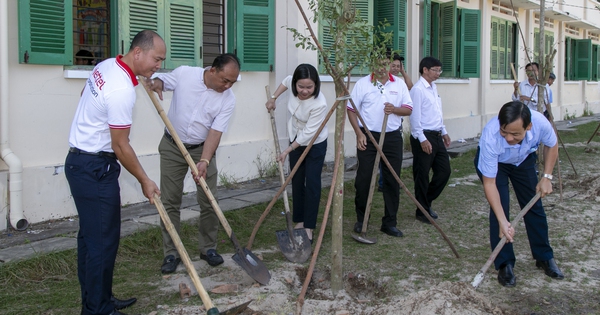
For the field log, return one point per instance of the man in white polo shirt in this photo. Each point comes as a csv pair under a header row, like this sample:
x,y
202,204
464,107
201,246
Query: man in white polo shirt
x,y
99,136
375,96
200,110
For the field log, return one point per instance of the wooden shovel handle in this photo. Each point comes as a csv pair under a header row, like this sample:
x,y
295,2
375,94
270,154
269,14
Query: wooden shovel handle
x,y
514,74
187,157
182,252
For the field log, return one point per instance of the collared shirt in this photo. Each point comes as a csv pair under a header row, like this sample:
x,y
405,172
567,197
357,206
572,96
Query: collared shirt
x,y
530,91
306,116
494,149
195,109
427,110
370,97
106,103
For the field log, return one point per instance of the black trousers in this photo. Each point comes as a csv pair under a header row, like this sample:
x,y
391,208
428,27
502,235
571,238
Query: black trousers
x,y
438,161
392,148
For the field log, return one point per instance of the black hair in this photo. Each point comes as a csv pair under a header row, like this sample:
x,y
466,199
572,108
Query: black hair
x,y
552,76
225,59
512,111
537,65
398,57
429,62
306,71
144,39
85,55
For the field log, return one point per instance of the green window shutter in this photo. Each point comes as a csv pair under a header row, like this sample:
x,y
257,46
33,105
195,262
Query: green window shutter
x,y
548,42
594,62
470,43
136,16
394,13
448,38
569,50
495,43
426,28
583,56
365,10
254,34
511,50
183,33
536,45
45,32
326,36
502,49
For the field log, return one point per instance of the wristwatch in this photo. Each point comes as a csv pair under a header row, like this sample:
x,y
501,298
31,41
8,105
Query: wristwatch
x,y
548,176
273,96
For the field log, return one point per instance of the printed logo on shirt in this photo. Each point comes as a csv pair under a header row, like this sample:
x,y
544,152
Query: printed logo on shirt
x,y
394,92
92,90
98,80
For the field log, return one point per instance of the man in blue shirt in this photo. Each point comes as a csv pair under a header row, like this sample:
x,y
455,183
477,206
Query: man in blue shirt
x,y
507,150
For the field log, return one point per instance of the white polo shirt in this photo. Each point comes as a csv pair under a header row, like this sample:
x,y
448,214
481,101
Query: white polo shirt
x,y
106,103
195,109
369,98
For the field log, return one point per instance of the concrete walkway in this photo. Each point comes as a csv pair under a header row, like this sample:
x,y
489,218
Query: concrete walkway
x,y
45,237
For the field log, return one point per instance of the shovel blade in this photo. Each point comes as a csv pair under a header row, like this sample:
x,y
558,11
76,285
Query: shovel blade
x,y
362,238
236,310
298,251
253,266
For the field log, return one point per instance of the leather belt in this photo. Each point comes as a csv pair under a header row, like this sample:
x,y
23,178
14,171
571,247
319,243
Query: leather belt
x,y
187,146
433,132
101,153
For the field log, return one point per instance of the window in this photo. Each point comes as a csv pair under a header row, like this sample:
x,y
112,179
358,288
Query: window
x,y
452,35
503,50
392,12
578,59
548,44
50,31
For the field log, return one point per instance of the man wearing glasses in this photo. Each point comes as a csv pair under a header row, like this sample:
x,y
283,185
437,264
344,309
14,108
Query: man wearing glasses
x,y
526,91
200,110
429,138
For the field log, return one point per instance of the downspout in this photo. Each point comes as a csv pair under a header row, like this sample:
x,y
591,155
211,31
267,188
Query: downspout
x,y
15,167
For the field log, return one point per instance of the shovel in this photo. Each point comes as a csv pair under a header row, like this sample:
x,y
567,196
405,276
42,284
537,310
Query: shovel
x,y
211,309
294,243
362,238
253,266
479,277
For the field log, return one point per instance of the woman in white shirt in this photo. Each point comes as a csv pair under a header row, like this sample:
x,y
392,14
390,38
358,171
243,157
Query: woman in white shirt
x,y
307,108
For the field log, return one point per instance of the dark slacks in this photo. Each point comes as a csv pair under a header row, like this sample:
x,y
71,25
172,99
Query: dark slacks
x,y
95,188
306,183
438,161
524,180
392,148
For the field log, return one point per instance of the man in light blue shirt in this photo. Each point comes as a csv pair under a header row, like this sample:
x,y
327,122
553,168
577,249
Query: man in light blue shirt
x,y
507,150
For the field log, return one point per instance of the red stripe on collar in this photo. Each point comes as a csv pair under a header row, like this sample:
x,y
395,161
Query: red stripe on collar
x,y
127,70
391,77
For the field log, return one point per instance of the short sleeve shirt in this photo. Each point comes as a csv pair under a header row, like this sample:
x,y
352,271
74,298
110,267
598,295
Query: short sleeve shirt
x,y
195,108
494,149
106,103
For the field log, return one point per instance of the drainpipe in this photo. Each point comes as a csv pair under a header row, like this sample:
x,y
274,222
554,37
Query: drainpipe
x,y
15,179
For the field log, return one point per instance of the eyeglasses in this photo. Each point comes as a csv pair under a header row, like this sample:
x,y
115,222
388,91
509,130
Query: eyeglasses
x,y
436,70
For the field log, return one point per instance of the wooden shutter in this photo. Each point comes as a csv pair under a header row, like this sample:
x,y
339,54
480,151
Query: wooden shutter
x,y
495,43
569,53
448,23
365,10
426,51
183,33
254,34
511,49
394,13
594,62
136,16
536,45
470,27
45,32
583,59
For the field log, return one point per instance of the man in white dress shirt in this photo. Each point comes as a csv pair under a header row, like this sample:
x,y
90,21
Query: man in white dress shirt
x,y
200,110
429,138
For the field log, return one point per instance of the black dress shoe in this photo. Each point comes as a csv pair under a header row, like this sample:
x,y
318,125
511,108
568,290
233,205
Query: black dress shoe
x,y
550,268
116,312
170,264
212,258
432,214
358,227
422,218
506,277
121,304
392,231
379,189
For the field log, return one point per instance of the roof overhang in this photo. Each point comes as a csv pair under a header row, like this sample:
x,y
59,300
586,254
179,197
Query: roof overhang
x,y
584,24
560,15
526,4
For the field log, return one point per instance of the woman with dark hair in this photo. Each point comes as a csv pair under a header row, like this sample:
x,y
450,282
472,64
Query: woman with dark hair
x,y
308,108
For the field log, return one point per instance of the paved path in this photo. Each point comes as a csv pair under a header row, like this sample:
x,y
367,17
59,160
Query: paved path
x,y
60,235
